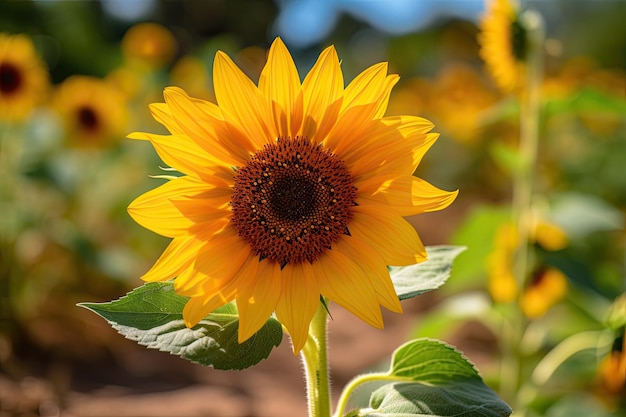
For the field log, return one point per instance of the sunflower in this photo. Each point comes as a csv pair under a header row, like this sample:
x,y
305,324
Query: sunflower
x,y
23,77
547,287
613,367
503,44
93,111
290,191
149,45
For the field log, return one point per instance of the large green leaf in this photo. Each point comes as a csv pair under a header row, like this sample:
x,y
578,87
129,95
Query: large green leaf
x,y
413,280
434,379
151,315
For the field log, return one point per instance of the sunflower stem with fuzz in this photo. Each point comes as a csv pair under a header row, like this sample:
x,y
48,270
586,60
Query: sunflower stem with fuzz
x,y
522,196
315,359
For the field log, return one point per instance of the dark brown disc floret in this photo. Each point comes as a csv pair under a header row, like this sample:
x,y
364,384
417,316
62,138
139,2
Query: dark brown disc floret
x,y
87,119
10,78
292,201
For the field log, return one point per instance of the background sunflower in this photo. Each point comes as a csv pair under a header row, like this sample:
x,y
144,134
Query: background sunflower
x,y
23,77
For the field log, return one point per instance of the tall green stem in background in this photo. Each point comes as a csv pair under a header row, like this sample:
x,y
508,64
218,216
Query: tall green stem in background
x,y
523,182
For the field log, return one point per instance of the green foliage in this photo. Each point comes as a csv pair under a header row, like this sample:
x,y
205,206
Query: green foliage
x,y
433,379
480,226
582,214
413,280
588,100
151,315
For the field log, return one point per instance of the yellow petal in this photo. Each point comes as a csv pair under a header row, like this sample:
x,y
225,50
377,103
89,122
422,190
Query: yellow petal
x,y
407,195
224,255
202,121
383,100
279,81
197,308
257,297
181,153
388,233
350,128
241,102
392,145
323,95
344,282
366,87
155,211
162,114
217,262
207,206
363,100
375,269
298,303
178,256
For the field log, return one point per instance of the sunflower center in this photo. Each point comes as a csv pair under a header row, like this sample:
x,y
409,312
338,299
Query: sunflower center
x,y
518,40
292,198
87,118
10,78
292,201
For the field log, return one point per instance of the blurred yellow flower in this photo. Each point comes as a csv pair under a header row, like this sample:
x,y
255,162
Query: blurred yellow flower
x,y
456,99
502,284
502,41
126,80
613,368
192,75
291,191
549,236
149,45
459,100
547,288
23,77
92,110
412,96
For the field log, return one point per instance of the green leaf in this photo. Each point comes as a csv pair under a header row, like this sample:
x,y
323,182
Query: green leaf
x,y
413,280
463,398
151,315
588,100
507,157
434,379
582,214
432,361
478,231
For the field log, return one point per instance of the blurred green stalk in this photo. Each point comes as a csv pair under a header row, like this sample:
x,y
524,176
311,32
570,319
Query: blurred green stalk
x,y
523,184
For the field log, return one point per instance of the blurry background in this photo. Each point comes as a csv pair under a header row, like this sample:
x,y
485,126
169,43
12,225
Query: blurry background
x,y
67,174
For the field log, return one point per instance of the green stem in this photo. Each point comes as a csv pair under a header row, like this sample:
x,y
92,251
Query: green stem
x,y
353,384
315,358
523,184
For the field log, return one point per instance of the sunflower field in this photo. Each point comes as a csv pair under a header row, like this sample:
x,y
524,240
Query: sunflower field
x,y
204,204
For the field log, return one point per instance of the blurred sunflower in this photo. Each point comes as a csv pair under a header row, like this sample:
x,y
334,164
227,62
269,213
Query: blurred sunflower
x,y
545,288
23,77
149,45
92,110
502,284
291,191
613,367
191,74
459,101
503,46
